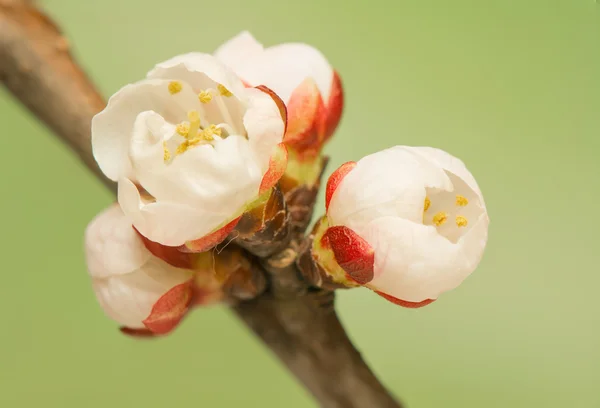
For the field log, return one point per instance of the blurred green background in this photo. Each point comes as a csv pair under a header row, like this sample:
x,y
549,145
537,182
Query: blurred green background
x,y
511,87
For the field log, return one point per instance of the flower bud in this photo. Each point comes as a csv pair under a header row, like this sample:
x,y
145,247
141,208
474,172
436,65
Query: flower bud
x,y
135,288
408,222
303,79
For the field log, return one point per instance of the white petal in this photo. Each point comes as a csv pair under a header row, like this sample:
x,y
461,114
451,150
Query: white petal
x,y
281,68
264,125
112,128
200,71
128,299
112,247
391,182
414,263
451,164
204,72
238,50
168,223
201,190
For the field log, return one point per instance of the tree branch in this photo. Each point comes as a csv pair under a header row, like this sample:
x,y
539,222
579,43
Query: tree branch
x,y
296,322
37,67
300,326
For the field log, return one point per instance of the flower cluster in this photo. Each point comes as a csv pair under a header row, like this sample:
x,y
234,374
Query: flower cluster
x,y
211,147
194,147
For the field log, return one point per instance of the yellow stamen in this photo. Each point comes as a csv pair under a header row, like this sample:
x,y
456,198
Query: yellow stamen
x,y
224,91
440,218
427,204
205,96
182,148
183,129
461,221
207,135
210,132
194,142
194,123
461,201
175,87
166,153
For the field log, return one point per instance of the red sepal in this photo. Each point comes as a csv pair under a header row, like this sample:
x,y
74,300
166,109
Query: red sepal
x,y
354,255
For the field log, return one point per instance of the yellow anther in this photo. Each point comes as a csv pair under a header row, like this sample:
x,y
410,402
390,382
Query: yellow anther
x,y
224,91
175,87
207,135
183,129
427,204
461,201
182,148
204,96
166,153
194,142
461,221
210,132
440,218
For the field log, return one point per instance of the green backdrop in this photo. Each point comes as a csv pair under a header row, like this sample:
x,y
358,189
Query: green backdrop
x,y
511,87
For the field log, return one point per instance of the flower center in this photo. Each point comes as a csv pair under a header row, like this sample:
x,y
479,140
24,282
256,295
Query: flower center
x,y
452,213
199,129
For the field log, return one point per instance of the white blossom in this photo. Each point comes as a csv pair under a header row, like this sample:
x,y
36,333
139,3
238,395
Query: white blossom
x,y
422,214
127,279
189,146
301,76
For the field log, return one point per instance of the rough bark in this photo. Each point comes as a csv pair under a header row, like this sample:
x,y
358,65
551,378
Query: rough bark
x,y
37,67
296,322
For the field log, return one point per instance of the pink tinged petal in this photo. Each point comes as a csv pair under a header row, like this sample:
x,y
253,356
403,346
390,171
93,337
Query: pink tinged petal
x,y
265,122
128,299
277,166
304,107
211,240
352,253
171,255
169,309
111,246
333,108
335,179
312,122
404,303
283,67
301,76
112,128
280,104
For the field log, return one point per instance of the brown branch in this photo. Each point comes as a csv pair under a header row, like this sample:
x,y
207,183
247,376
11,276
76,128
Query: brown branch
x,y
37,67
296,322
300,326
